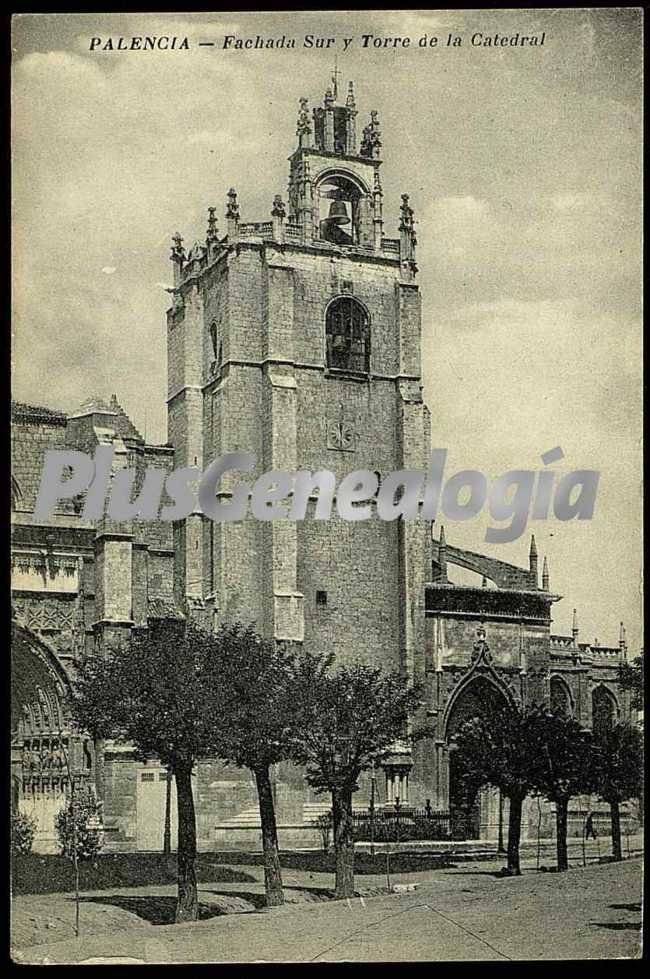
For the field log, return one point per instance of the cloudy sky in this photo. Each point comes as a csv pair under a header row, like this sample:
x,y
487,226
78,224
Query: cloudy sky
x,y
524,170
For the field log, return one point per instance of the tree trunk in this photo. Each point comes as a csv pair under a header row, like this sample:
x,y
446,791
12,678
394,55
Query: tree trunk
x,y
514,835
561,812
187,907
343,842
167,832
617,851
272,869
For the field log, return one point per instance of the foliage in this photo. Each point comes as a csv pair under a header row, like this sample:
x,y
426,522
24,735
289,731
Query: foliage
x,y
253,706
562,763
618,774
152,693
630,677
23,830
348,720
495,749
86,813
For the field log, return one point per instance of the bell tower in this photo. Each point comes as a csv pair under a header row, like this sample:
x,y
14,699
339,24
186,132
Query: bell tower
x,y
298,338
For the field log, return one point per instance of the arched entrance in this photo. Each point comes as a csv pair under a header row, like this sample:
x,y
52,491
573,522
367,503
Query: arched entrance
x,y
468,808
41,739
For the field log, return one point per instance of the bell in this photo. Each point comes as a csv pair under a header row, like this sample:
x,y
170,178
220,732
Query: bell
x,y
338,213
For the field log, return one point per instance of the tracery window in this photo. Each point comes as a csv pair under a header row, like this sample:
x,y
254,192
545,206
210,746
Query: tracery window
x,y
347,331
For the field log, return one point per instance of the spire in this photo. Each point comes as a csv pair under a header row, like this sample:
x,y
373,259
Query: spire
x,y
574,628
335,79
350,102
442,556
622,640
532,560
545,585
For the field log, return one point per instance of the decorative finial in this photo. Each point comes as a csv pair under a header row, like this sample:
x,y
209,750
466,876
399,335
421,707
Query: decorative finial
x,y
484,582
350,101
442,540
622,637
533,546
371,139
278,210
574,627
178,252
406,215
212,234
304,126
232,208
329,99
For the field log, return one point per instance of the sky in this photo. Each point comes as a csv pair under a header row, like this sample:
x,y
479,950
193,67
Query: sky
x,y
524,170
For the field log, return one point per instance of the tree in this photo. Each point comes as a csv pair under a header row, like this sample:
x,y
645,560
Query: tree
x,y
630,677
618,773
79,828
562,766
255,713
494,748
349,720
152,692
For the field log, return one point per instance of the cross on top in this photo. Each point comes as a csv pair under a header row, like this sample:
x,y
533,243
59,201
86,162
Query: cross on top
x,y
335,76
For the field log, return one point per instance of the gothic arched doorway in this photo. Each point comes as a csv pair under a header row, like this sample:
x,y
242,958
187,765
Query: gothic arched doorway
x,y
41,739
479,696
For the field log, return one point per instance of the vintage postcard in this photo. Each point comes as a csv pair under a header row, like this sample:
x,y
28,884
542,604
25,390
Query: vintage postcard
x,y
326,486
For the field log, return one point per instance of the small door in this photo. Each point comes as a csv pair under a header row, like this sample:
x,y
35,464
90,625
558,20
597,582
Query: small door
x,y
151,802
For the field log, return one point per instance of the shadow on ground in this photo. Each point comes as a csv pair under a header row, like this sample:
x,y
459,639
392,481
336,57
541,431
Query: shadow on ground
x,y
160,909
157,910
617,925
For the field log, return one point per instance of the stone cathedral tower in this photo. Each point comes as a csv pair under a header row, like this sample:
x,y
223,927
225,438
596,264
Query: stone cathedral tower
x,y
298,338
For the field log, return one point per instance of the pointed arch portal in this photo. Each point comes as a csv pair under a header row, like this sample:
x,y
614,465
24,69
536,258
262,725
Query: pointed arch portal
x,y
41,737
478,696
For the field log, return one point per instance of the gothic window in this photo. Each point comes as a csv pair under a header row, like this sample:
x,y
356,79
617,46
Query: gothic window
x,y
347,332
217,347
560,696
604,710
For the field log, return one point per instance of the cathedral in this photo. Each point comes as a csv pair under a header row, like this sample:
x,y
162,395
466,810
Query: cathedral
x,y
297,338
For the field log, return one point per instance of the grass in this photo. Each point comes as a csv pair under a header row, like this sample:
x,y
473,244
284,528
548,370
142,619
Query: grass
x,y
37,873
316,861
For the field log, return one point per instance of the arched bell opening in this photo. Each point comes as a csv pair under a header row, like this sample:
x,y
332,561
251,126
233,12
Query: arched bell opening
x,y
339,203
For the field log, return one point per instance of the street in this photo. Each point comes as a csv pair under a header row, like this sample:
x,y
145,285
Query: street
x,y
457,913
